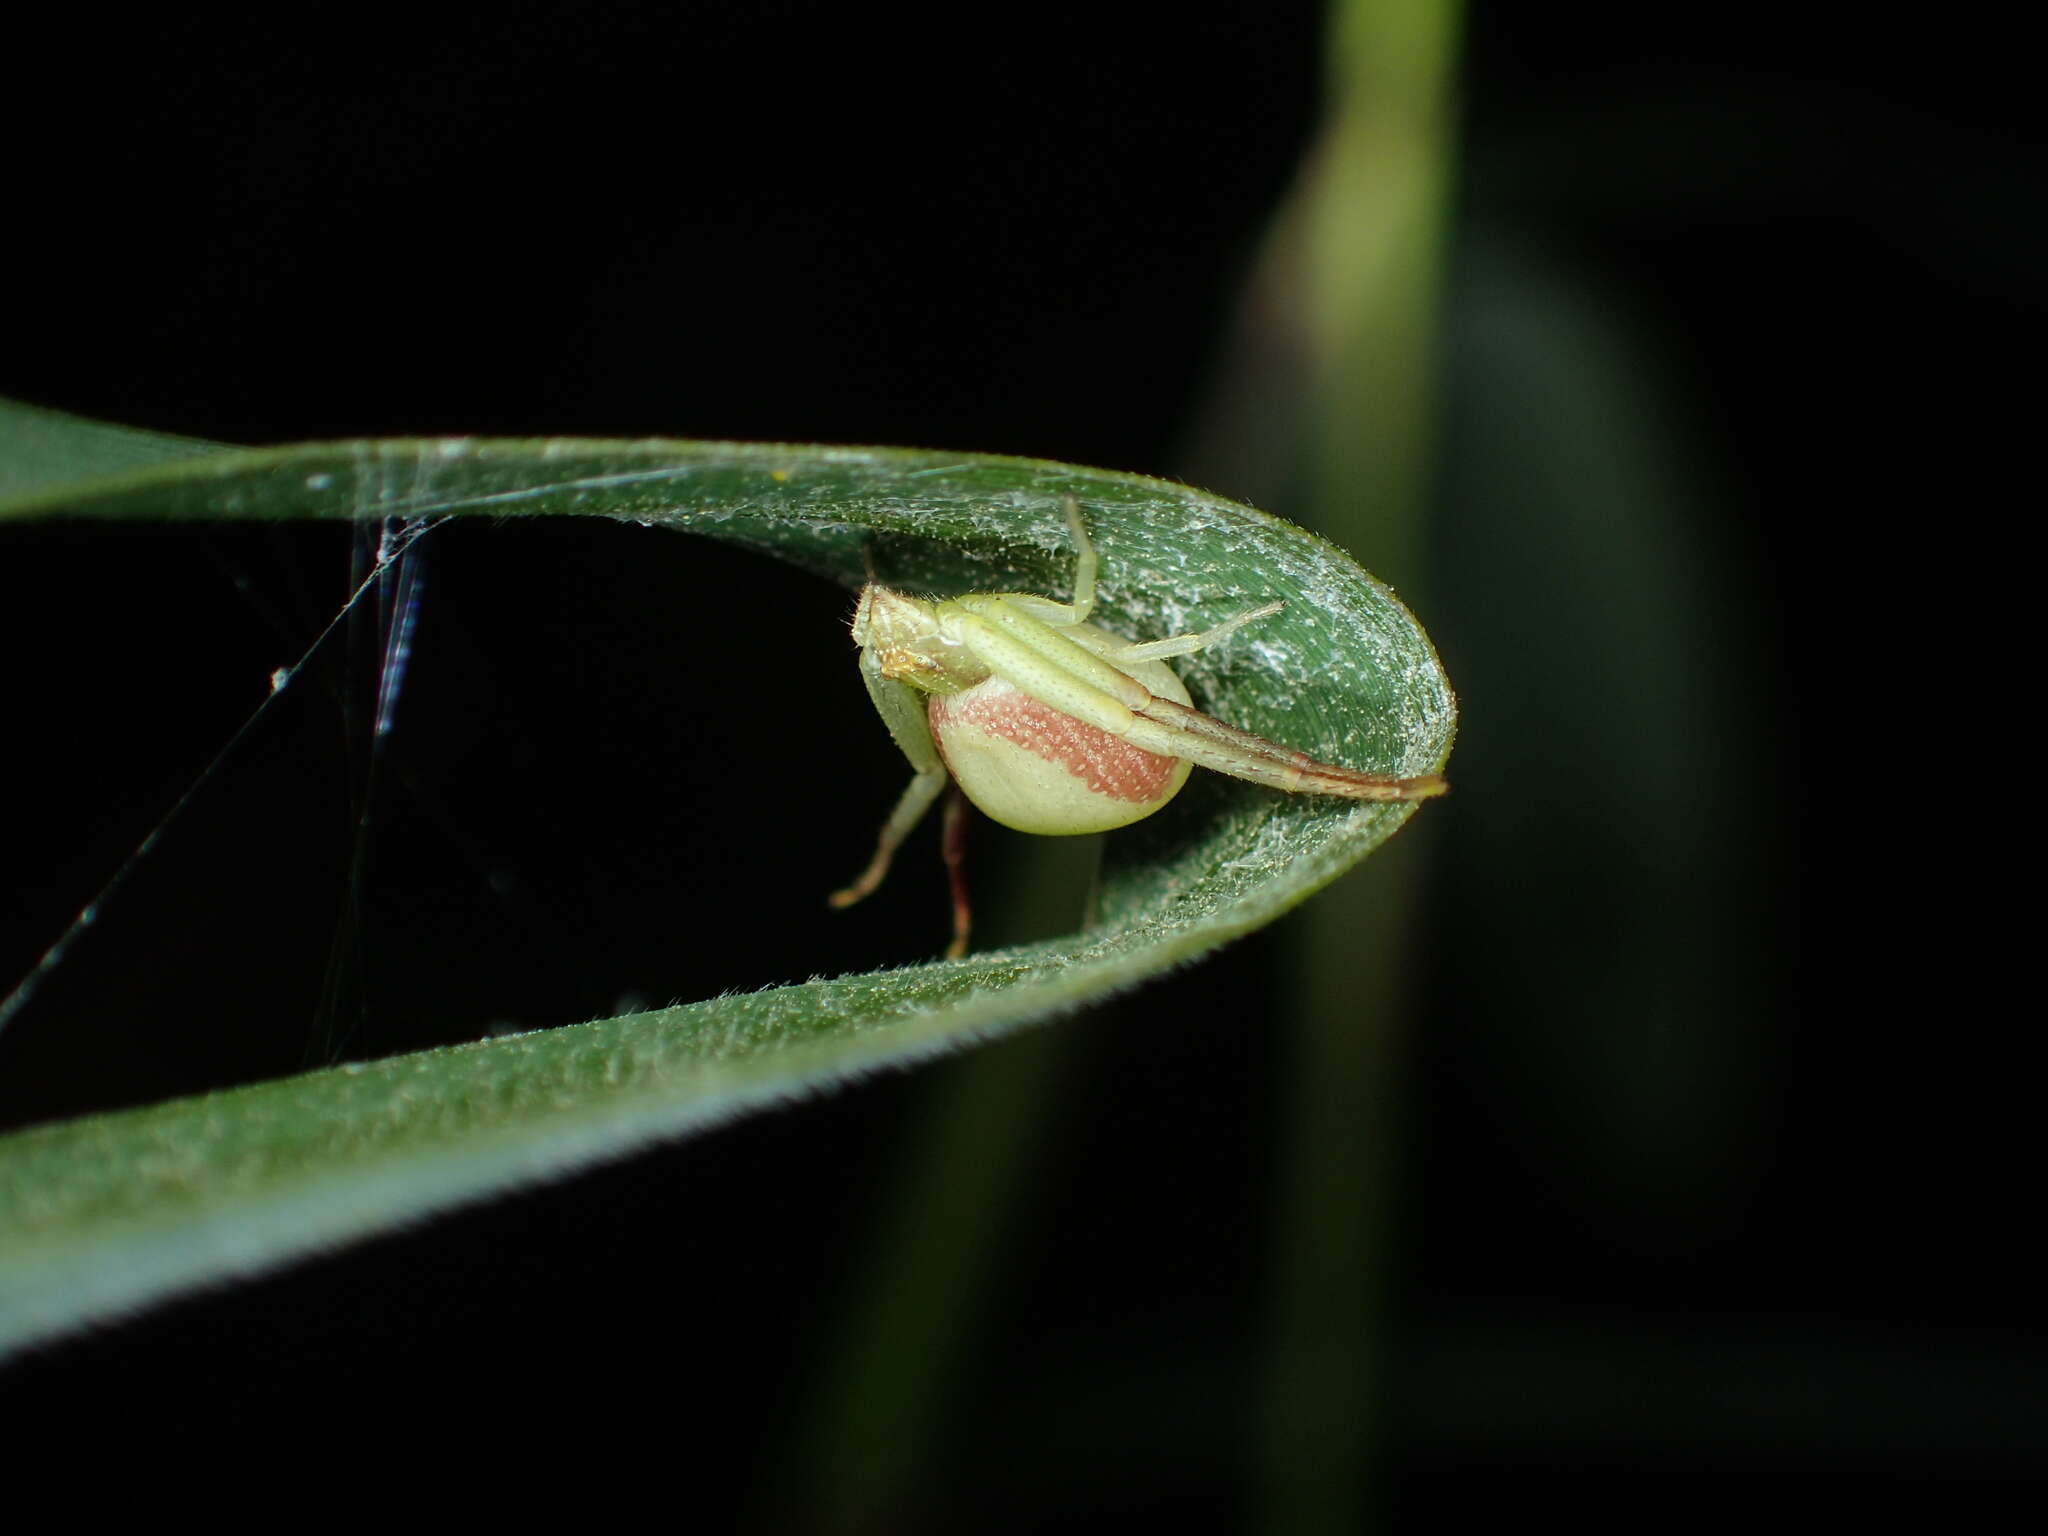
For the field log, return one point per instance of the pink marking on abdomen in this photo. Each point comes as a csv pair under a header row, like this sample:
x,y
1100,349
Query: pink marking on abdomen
x,y
1108,764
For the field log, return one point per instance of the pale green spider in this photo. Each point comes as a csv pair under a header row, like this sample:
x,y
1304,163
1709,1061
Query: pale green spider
x,y
1051,724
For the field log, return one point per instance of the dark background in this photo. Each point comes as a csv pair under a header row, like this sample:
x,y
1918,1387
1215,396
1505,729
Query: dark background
x,y
1715,1182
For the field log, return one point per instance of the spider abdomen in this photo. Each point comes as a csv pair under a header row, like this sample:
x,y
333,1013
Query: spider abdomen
x,y
1037,769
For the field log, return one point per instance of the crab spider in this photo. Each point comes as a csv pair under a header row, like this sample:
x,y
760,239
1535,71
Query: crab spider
x,y
1051,724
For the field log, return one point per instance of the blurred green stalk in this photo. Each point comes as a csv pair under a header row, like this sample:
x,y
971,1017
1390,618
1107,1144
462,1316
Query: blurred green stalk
x,y
1346,296
1361,248
918,1296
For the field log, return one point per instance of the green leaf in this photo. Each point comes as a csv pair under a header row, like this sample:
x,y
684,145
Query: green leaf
x,y
106,1213
41,450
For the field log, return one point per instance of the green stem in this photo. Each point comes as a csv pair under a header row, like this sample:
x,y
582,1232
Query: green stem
x,y
1369,226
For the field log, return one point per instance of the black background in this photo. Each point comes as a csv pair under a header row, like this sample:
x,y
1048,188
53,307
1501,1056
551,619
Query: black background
x,y
1820,252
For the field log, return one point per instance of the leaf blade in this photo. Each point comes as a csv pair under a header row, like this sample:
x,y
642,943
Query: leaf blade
x,y
106,1213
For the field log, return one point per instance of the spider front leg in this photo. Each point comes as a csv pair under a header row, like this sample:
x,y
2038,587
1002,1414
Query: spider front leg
x,y
902,709
917,799
1086,561
1199,738
1124,691
1170,726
